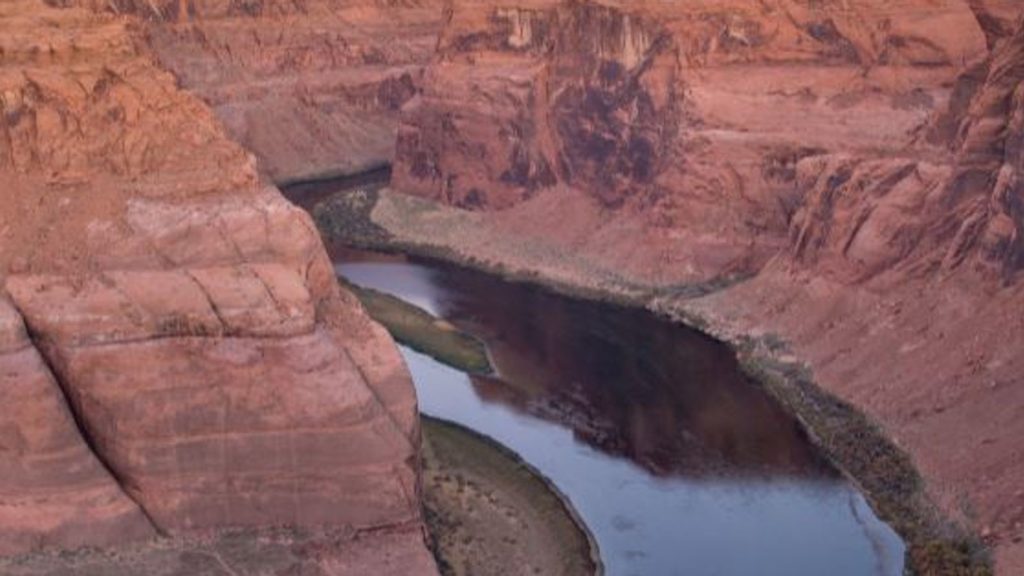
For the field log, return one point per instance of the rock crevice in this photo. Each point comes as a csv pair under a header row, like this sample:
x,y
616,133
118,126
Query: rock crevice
x,y
57,491
83,430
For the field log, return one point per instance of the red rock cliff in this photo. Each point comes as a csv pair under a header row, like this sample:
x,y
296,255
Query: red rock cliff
x,y
859,159
189,363
312,88
688,121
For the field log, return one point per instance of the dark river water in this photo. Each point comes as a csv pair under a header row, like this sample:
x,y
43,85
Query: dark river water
x,y
676,462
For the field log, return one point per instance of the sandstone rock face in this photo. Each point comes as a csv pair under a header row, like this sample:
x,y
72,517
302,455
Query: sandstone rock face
x,y
218,405
602,115
685,123
864,216
859,160
193,366
199,369
312,88
56,492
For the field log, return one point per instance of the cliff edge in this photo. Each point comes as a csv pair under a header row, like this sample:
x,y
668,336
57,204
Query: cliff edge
x,y
177,357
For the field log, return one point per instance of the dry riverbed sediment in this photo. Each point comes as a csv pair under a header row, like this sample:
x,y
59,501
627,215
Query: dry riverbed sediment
x,y
489,513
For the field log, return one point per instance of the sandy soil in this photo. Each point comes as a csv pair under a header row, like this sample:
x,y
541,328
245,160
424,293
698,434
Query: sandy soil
x,y
396,551
491,515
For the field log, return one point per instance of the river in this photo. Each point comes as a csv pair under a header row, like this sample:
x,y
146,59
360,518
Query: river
x,y
675,461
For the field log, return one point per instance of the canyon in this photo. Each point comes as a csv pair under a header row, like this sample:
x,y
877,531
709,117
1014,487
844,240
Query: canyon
x,y
842,178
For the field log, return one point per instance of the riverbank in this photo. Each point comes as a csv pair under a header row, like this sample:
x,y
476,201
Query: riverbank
x,y
419,330
856,445
489,513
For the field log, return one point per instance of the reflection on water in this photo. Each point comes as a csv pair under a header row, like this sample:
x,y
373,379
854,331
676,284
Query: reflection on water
x,y
676,462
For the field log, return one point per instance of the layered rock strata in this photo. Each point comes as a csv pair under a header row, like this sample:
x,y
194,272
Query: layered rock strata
x,y
190,363
57,493
312,88
683,124
856,162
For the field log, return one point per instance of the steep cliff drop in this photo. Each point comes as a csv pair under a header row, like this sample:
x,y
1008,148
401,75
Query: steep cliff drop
x,y
312,88
176,358
843,178
838,179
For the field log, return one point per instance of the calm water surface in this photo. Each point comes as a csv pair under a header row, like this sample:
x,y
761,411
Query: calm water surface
x,y
675,461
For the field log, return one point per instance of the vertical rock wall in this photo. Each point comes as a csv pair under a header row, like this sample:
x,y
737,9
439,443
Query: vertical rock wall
x,y
312,88
190,364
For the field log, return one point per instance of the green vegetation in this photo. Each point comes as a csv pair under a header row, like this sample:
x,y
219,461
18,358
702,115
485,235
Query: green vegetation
x,y
346,217
419,330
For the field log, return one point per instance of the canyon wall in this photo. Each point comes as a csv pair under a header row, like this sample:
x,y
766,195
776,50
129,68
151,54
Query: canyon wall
x,y
685,123
844,177
177,358
312,88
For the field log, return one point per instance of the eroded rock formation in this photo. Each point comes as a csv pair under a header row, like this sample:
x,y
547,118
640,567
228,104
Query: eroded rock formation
x,y
859,161
686,123
190,364
57,493
313,88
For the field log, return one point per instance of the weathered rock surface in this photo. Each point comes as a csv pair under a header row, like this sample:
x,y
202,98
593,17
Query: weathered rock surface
x,y
56,492
263,553
861,160
225,410
193,365
660,114
312,88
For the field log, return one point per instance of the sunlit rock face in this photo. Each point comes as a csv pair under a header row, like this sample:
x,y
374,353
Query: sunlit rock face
x,y
177,356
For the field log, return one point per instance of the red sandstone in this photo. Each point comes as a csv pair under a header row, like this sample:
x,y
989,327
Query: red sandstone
x,y
193,366
860,159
